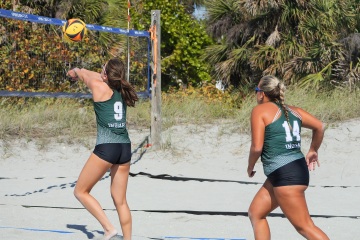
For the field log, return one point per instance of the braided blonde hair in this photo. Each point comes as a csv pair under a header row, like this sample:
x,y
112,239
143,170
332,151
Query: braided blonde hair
x,y
274,89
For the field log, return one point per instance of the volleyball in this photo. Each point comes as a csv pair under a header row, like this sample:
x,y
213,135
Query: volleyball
x,y
74,30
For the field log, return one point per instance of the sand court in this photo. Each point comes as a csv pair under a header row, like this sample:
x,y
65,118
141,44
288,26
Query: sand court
x,y
196,187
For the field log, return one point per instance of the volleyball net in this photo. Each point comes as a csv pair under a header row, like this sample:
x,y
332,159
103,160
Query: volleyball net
x,y
35,58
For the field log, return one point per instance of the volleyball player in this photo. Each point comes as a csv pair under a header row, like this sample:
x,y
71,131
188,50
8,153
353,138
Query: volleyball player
x,y
111,95
275,131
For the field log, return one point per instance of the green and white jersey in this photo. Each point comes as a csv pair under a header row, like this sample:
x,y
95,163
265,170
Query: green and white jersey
x,y
282,144
111,120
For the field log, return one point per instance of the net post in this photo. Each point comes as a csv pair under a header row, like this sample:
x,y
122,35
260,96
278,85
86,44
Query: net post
x,y
156,120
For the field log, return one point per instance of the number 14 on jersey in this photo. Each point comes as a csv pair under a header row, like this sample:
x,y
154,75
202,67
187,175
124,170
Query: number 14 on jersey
x,y
295,131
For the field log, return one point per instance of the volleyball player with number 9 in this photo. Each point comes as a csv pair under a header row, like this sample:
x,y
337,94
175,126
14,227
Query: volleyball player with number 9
x,y
111,95
275,132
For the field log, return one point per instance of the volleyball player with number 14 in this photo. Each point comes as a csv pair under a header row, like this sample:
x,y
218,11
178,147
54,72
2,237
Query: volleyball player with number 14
x,y
275,133
111,95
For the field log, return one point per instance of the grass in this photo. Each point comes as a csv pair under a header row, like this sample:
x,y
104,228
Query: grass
x,y
330,107
73,120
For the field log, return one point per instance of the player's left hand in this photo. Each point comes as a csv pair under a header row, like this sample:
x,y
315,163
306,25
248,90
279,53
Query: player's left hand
x,y
251,172
312,160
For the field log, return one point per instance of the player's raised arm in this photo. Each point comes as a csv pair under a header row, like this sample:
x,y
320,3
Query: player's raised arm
x,y
93,80
85,75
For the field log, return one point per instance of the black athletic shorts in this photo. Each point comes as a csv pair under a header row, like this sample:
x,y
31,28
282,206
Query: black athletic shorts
x,y
293,173
114,153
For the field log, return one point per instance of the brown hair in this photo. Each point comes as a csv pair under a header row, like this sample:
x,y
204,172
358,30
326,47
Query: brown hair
x,y
115,71
274,89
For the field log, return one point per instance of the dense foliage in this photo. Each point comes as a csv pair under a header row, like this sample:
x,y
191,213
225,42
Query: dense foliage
x,y
182,40
33,63
311,42
36,58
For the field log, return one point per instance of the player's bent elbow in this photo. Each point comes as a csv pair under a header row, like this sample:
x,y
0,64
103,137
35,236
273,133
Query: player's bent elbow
x,y
323,126
256,149
320,128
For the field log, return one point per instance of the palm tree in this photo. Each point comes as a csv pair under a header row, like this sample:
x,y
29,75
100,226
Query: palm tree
x,y
297,40
226,24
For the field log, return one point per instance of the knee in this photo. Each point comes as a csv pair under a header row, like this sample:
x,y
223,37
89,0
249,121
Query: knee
x,y
300,229
250,214
118,201
78,194
253,214
305,228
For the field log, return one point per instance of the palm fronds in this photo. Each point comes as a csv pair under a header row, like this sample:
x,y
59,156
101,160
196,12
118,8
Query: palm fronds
x,y
298,40
313,80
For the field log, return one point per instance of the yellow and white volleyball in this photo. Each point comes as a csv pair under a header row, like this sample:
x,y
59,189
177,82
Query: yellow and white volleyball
x,y
74,30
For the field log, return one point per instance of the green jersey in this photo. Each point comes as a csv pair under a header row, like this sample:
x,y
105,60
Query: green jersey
x,y
111,120
282,144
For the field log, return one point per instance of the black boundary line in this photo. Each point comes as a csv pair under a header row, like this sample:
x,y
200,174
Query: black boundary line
x,y
174,178
72,184
160,177
193,212
185,179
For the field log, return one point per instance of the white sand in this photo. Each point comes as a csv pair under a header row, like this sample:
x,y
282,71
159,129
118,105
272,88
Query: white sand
x,y
208,199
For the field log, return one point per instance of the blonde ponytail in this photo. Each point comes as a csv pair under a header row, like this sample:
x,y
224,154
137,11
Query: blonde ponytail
x,y
274,89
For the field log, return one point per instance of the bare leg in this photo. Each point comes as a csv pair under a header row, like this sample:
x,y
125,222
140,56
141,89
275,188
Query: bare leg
x,y
263,203
119,181
91,173
292,202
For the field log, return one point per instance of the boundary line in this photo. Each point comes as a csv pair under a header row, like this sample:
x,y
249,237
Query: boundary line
x,y
38,230
201,238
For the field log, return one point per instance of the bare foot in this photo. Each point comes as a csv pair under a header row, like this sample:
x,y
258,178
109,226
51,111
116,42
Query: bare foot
x,y
110,234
